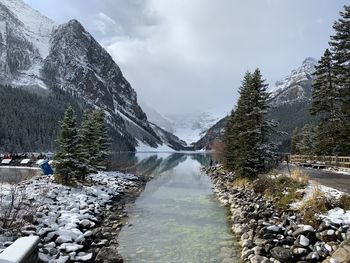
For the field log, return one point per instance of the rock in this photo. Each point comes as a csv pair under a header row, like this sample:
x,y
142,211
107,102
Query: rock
x,y
282,254
341,255
302,241
299,251
259,259
273,228
312,256
108,255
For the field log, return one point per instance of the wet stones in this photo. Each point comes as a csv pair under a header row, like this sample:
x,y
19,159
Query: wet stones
x,y
268,235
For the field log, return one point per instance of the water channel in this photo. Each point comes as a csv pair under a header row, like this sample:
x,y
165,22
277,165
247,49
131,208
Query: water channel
x,y
176,218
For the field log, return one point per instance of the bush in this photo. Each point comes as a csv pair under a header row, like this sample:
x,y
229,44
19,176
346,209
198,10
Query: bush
x,y
261,184
317,204
300,177
282,188
344,201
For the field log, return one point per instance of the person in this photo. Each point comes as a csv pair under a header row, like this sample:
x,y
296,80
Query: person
x,y
211,162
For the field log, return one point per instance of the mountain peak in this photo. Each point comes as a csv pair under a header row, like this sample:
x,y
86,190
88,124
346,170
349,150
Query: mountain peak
x,y
297,85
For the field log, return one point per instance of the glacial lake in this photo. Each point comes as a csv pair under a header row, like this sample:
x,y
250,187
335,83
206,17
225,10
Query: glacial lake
x,y
176,218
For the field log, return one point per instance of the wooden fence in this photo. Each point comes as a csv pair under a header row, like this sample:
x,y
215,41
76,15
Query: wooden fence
x,y
327,161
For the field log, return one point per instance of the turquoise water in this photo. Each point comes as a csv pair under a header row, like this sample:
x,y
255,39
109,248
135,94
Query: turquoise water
x,y
176,218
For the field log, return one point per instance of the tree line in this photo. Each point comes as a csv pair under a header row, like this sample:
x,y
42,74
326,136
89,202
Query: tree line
x,y
330,98
29,119
81,149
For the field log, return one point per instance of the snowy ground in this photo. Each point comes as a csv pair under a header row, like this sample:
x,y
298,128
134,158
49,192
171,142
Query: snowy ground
x,y
64,217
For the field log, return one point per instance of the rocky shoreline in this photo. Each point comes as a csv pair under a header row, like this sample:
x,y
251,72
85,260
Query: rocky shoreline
x,y
76,224
268,235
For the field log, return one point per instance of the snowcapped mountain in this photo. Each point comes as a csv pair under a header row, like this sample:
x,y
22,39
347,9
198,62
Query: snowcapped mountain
x,y
24,38
290,101
36,52
296,86
190,127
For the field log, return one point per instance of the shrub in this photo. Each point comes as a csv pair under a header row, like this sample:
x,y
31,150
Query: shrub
x,y
317,204
261,184
240,182
300,177
344,201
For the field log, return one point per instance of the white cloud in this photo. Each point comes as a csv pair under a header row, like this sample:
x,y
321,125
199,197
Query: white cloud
x,y
182,55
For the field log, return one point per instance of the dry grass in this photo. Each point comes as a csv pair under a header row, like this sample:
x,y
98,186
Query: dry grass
x,y
300,177
317,204
240,182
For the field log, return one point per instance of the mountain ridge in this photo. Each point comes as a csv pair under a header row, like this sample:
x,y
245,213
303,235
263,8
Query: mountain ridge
x,y
289,105
67,57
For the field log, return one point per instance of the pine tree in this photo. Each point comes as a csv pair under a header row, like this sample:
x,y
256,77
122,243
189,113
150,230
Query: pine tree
x,y
306,144
249,151
340,44
66,161
87,146
325,104
295,141
102,140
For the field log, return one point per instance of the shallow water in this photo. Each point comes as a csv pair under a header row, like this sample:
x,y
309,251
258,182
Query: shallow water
x,y
176,218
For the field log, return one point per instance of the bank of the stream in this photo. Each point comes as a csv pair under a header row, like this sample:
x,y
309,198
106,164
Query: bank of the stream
x,y
269,234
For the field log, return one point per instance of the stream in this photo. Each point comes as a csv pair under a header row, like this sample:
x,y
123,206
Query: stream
x,y
176,218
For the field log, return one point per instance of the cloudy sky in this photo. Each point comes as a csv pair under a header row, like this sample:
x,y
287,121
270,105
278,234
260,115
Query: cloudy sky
x,y
190,55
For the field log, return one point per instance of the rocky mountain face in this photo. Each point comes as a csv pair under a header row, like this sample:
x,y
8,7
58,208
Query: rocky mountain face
x,y
36,52
289,105
296,87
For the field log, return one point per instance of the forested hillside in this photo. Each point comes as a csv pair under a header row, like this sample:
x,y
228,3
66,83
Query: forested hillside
x,y
29,121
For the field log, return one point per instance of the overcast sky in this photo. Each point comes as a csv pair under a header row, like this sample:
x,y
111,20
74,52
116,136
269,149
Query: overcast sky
x,y
190,55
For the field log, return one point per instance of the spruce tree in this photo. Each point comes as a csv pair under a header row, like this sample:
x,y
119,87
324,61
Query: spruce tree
x,y
340,44
306,144
249,151
102,140
325,104
295,141
87,146
66,161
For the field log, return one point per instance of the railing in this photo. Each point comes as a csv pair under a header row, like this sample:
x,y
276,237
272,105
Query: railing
x,y
334,161
23,250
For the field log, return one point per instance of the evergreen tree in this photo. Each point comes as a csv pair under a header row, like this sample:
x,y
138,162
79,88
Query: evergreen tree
x,y
102,140
306,145
66,161
249,151
87,146
295,142
325,104
340,44
323,140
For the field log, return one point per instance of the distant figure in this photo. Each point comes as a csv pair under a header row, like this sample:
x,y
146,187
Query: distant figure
x,y
211,162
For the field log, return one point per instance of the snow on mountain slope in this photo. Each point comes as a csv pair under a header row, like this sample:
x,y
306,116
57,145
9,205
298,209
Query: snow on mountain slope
x,y
36,52
190,127
25,41
296,86
289,103
37,27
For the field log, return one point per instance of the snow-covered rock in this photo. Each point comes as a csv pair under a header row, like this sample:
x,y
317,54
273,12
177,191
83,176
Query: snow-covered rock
x,y
296,86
